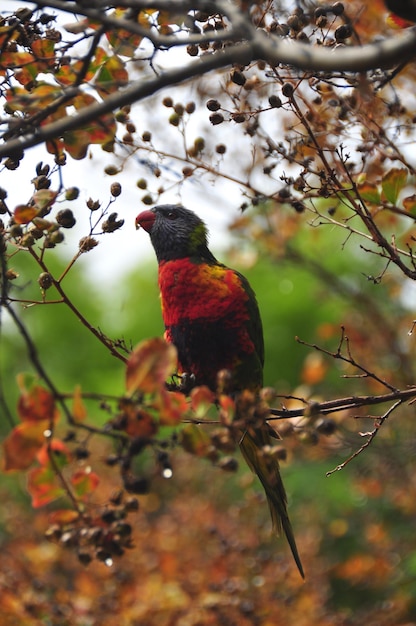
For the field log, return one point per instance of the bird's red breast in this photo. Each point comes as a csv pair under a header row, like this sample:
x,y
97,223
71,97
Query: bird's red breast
x,y
206,311
200,291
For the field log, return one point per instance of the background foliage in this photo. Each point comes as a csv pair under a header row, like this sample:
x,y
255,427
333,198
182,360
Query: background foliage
x,y
319,163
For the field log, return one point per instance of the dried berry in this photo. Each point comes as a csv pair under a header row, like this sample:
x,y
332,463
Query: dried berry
x,y
337,8
65,218
199,144
147,199
287,90
192,50
115,189
134,484
111,223
238,78
228,464
216,118
213,105
142,183
93,205
45,280
111,170
87,243
239,118
72,193
174,119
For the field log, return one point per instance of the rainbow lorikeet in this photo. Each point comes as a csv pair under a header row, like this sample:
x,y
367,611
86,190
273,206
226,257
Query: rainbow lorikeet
x,y
212,317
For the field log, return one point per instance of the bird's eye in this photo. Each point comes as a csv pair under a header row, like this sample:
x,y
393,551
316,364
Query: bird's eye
x,y
172,215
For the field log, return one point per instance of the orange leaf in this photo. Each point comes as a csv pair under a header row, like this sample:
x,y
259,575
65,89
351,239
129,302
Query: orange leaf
x,y
227,408
43,486
149,365
409,204
112,76
79,412
23,444
202,399
23,214
63,516
172,406
139,423
314,369
396,22
36,403
84,482
44,50
61,453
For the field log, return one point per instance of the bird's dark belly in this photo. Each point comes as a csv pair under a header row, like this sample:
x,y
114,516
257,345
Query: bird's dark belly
x,y
205,348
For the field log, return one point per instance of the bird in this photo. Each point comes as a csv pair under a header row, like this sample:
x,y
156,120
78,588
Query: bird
x,y
211,315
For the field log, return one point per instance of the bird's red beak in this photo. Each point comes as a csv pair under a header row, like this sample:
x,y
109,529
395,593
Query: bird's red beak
x,y
146,219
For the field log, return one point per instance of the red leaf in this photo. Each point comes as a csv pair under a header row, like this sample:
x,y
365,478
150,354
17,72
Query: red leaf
x,y
84,482
23,444
139,423
202,399
61,454
172,407
43,486
36,403
149,365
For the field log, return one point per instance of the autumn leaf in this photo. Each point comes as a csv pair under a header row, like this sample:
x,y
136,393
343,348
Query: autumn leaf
x,y
23,443
195,440
84,482
35,403
149,365
23,213
314,369
172,406
79,412
138,423
44,198
409,204
111,76
369,192
61,454
393,182
63,517
202,399
43,486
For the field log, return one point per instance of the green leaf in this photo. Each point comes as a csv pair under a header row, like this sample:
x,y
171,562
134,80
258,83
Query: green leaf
x,y
393,182
369,192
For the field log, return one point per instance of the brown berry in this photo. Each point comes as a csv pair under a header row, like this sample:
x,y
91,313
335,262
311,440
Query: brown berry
x,y
65,218
213,105
45,280
115,189
216,118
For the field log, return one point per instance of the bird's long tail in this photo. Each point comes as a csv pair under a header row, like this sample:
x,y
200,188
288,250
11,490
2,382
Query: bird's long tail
x,y
266,466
